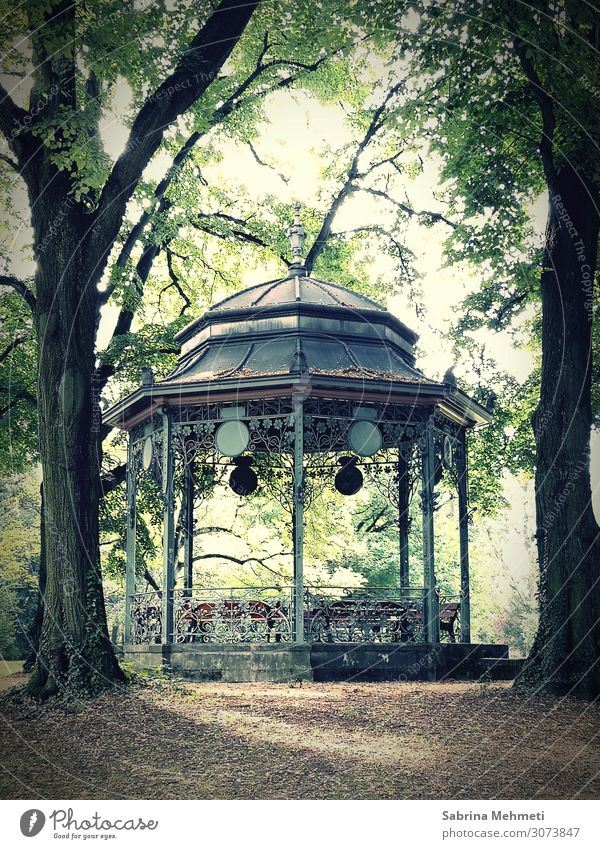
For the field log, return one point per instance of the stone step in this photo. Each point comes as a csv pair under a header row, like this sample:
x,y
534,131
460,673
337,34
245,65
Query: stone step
x,y
500,668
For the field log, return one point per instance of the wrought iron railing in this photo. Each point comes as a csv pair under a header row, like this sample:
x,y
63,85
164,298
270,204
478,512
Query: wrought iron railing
x,y
232,615
145,617
364,615
265,614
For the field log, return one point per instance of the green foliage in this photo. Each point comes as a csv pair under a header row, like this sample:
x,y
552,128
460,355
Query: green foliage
x,y
483,118
18,415
19,564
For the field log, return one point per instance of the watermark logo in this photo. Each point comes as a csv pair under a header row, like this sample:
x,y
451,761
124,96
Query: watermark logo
x,y
32,822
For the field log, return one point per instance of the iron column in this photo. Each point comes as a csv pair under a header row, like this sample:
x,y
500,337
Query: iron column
x,y
403,506
130,546
168,529
298,518
432,617
188,520
463,529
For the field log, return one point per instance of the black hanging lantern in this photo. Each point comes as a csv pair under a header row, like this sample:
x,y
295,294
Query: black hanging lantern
x,y
242,479
349,479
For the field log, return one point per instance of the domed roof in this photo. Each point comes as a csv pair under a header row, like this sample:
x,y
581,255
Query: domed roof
x,y
294,288
295,323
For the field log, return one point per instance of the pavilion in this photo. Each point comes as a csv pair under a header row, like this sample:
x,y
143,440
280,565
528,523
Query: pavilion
x,y
277,375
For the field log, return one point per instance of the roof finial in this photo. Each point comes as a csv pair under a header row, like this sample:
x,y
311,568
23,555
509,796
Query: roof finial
x,y
296,235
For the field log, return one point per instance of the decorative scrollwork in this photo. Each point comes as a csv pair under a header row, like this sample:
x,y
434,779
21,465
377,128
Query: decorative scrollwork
x,y
145,613
385,476
399,434
268,433
193,437
135,462
445,426
151,429
185,443
234,615
198,414
273,434
264,614
324,435
265,408
329,408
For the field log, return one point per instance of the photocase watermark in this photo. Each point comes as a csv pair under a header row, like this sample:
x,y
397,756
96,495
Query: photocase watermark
x,y
32,822
585,269
542,420
66,826
170,90
425,660
97,402
167,92
23,125
55,227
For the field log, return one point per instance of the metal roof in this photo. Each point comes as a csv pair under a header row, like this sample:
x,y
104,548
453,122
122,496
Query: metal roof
x,y
295,323
308,290
268,335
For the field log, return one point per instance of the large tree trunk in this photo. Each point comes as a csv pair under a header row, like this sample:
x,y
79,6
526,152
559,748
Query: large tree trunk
x,y
74,653
565,658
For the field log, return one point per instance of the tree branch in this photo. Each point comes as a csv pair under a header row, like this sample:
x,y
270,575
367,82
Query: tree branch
x,y
264,164
20,287
242,561
434,217
18,340
380,231
175,284
239,234
376,123
389,160
151,580
11,120
54,71
127,314
193,74
215,529
512,303
144,265
19,395
160,204
234,101
112,479
11,162
546,105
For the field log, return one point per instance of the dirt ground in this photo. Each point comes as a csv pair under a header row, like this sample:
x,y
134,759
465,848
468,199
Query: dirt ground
x,y
315,741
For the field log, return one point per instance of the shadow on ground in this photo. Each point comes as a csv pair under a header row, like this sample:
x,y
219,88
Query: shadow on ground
x,y
325,741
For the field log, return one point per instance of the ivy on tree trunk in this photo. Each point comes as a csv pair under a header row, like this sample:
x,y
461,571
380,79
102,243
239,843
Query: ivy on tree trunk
x,y
565,658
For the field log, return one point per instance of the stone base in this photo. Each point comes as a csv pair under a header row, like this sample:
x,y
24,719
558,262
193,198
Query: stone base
x,y
404,662
277,662
228,663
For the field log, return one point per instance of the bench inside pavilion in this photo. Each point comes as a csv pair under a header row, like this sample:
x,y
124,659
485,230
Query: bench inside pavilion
x,y
305,377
